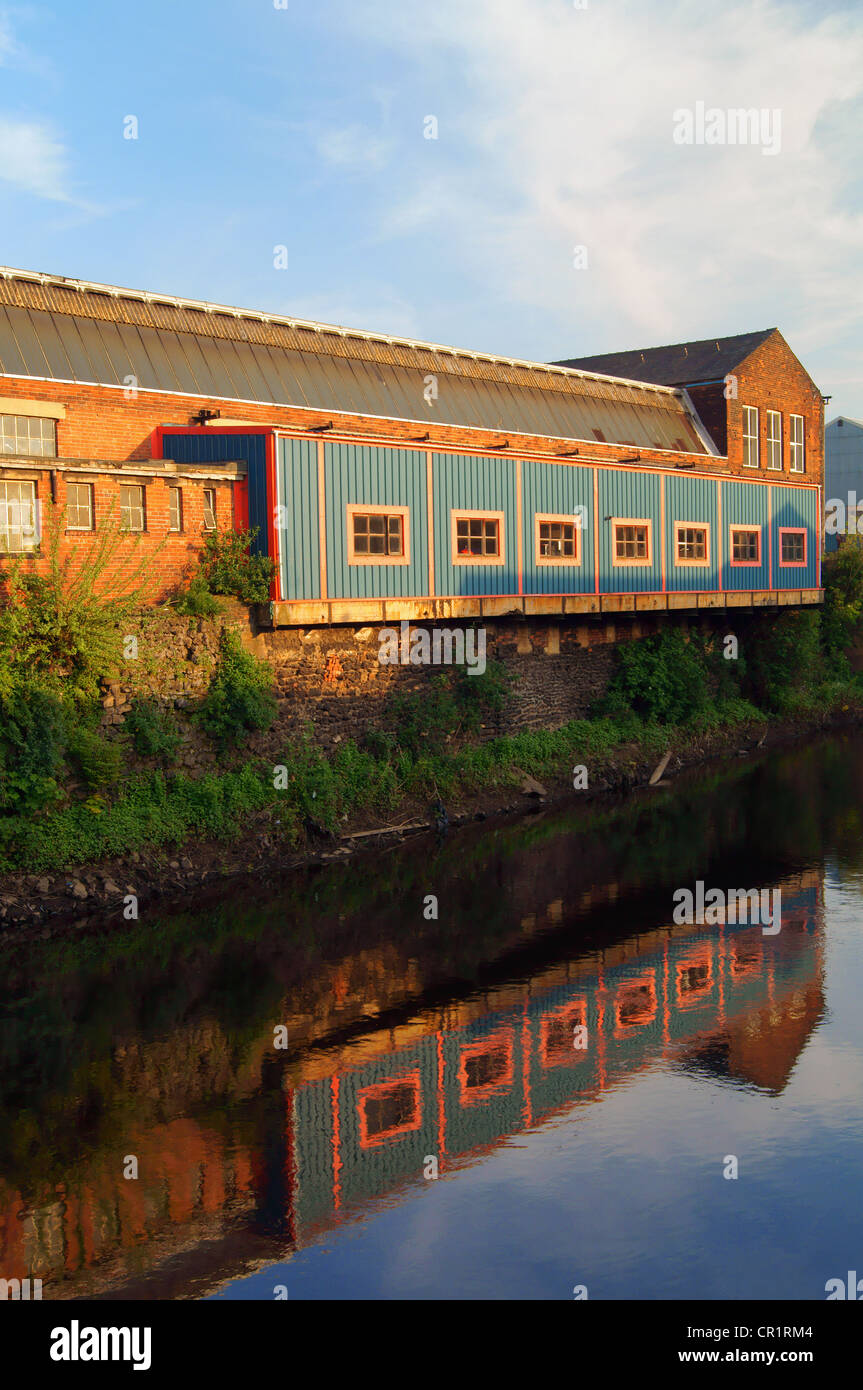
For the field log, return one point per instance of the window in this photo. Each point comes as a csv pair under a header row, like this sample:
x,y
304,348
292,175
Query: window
x,y
389,1110
631,542
132,517
477,538
28,434
795,444
691,544
792,546
18,517
378,535
557,540
750,437
79,506
175,509
209,509
774,439
746,545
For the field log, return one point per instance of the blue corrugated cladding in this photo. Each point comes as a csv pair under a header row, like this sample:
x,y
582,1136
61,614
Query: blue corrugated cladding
x,y
628,496
794,508
466,483
230,448
299,533
693,501
356,474
567,492
744,504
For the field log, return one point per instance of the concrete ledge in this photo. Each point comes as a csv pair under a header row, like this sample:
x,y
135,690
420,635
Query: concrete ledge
x,y
385,612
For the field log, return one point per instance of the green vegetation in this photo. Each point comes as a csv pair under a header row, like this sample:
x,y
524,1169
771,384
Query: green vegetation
x,y
152,732
240,696
64,798
227,566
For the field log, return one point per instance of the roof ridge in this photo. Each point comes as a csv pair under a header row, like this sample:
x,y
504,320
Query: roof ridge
x,y
552,369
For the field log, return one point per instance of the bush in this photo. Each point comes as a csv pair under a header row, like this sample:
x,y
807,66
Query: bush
x,y
32,746
784,657
196,601
664,678
229,567
240,697
843,604
153,732
97,760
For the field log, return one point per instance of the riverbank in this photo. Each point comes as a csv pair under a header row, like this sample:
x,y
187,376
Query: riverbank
x,y
259,834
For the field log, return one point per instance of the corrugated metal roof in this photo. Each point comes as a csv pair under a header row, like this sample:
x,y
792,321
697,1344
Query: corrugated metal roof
x,y
52,329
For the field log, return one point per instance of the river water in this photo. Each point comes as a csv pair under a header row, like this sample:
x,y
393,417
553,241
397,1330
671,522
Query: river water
x,y
550,1087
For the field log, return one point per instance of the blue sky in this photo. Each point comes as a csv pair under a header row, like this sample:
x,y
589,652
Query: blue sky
x,y
304,127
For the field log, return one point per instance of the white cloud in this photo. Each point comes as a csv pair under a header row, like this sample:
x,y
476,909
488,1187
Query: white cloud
x,y
354,147
556,130
33,159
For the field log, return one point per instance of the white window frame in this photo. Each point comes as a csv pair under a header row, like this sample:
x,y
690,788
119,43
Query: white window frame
x,y
175,492
750,413
210,509
75,526
133,509
796,447
24,430
774,441
25,513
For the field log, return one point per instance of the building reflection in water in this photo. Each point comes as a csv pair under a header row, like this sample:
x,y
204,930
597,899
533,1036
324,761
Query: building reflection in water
x,y
320,1136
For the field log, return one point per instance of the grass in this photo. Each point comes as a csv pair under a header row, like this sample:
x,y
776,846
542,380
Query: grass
x,y
163,810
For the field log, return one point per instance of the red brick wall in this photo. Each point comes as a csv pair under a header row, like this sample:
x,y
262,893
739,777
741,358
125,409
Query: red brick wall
x,y
101,424
166,556
773,379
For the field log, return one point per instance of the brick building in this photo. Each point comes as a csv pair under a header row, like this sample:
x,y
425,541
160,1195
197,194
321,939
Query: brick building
x,y
393,479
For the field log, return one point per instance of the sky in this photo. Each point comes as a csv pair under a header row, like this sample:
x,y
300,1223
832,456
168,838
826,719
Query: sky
x,y
508,176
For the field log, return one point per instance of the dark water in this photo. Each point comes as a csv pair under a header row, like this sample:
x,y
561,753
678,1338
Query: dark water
x,y
448,1046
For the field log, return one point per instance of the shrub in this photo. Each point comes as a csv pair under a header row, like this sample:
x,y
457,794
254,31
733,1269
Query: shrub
x,y
32,745
229,567
196,601
662,678
783,658
92,755
240,697
843,603
153,732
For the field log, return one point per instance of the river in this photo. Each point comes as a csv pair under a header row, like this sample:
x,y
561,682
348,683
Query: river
x,y
495,1065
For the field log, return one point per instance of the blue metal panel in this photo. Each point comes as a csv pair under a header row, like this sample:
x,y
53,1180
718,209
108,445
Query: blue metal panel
x,y
556,489
230,448
625,495
355,474
465,483
795,507
744,504
693,500
298,517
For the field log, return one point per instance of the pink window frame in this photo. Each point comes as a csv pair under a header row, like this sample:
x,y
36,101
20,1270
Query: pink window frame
x,y
693,526
794,564
466,514
568,520
644,561
366,509
745,564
